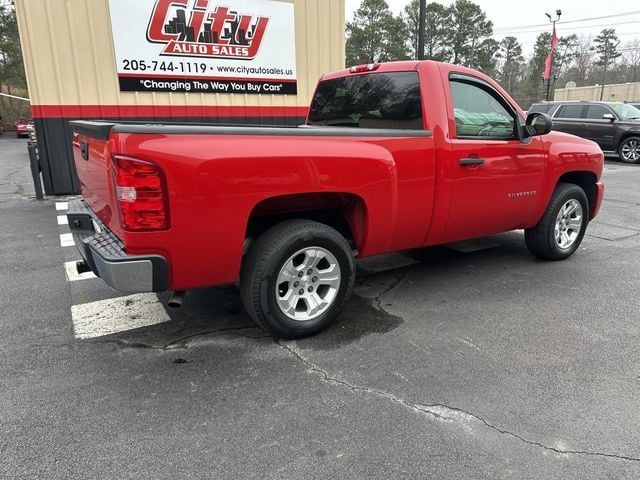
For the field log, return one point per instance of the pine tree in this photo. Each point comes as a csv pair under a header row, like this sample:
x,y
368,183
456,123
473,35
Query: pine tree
x,y
375,35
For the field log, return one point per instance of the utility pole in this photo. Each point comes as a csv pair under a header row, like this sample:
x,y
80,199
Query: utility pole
x,y
554,42
421,27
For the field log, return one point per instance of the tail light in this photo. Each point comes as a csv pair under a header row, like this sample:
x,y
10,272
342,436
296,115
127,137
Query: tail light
x,y
141,193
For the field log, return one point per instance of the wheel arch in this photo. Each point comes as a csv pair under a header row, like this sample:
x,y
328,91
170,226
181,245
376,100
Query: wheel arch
x,y
345,212
626,135
585,180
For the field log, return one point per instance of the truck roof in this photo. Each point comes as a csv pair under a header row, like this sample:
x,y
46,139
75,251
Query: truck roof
x,y
399,66
414,65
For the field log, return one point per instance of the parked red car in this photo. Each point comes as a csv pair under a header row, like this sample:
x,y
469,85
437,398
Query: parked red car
x,y
393,156
24,127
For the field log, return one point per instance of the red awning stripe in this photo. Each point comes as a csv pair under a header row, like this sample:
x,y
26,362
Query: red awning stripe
x,y
162,111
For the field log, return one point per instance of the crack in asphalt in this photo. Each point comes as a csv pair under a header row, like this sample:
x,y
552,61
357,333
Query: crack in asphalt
x,y
378,298
181,343
19,189
438,410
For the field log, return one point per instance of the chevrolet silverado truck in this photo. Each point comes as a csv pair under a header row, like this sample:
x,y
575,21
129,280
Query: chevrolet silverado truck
x,y
393,156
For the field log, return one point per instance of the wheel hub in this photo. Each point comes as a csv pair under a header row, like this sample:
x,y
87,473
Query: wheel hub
x,y
568,224
631,151
308,283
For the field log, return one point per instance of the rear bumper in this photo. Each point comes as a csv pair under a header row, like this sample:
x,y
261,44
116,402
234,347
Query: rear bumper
x,y
105,255
597,200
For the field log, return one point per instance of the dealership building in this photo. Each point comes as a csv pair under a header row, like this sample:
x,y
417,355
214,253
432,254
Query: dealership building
x,y
200,61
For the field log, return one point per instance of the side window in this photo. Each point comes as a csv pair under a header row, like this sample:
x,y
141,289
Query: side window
x,y
595,112
570,111
479,114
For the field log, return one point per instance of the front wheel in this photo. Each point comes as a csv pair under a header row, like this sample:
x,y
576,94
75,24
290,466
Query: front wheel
x,y
559,232
629,150
296,278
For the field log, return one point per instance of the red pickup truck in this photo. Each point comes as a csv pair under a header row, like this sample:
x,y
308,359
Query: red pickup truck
x,y
394,156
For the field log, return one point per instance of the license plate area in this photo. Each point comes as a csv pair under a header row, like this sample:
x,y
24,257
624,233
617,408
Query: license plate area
x,y
81,223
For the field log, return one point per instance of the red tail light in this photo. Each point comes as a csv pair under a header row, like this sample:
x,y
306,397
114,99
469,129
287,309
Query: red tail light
x,y
141,193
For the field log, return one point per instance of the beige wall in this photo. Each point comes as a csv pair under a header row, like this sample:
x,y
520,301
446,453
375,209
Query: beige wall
x,y
70,60
617,92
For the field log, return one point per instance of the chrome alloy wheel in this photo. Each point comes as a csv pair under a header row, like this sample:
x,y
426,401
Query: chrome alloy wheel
x,y
568,224
308,283
630,151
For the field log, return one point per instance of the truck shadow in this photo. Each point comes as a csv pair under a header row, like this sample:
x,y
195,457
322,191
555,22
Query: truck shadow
x,y
216,311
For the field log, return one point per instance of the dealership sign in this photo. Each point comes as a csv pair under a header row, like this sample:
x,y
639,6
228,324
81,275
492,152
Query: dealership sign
x,y
211,46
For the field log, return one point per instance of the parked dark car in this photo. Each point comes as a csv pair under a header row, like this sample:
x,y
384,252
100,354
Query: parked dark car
x,y
615,126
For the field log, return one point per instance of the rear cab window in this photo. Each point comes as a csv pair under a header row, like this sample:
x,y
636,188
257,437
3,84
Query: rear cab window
x,y
372,100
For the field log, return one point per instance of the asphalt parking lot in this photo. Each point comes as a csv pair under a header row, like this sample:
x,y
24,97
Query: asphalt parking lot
x,y
466,362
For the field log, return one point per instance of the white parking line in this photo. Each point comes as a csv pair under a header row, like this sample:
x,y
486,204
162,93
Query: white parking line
x,y
106,317
62,205
63,220
66,240
73,275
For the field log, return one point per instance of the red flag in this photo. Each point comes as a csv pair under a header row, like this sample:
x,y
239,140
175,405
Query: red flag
x,y
547,63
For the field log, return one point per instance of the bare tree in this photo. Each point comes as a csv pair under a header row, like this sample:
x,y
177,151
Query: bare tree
x,y
583,61
631,59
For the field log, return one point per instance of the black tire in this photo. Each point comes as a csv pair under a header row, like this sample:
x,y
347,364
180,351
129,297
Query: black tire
x,y
629,150
541,240
281,245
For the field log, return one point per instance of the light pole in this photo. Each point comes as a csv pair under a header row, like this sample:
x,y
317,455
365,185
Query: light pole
x,y
554,42
421,25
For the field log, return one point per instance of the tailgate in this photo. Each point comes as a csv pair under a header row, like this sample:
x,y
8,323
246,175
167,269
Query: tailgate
x,y
93,164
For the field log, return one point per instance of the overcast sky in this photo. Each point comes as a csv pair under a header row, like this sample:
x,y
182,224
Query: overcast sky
x,y
526,19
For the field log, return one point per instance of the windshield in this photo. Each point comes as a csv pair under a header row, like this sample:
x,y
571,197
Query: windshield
x,y
625,111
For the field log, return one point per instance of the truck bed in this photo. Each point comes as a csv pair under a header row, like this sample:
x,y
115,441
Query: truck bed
x,y
226,175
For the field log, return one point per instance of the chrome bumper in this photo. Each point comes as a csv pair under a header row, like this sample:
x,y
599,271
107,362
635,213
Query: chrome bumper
x,y
104,253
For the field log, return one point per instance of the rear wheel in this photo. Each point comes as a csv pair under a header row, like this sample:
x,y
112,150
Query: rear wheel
x,y
560,230
629,150
296,278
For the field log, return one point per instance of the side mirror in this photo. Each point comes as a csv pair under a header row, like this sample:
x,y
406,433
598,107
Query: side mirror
x,y
609,116
537,124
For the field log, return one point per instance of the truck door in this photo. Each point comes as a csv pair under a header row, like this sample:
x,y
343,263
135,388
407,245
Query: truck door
x,y
496,177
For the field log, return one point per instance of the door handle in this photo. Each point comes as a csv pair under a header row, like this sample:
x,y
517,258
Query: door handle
x,y
84,149
471,161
